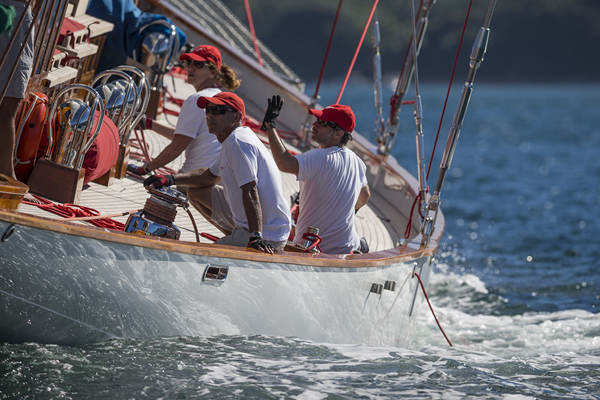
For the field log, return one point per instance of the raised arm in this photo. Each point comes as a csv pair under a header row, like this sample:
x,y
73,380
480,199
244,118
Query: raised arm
x,y
284,160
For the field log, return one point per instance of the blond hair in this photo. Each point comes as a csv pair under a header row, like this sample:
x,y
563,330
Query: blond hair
x,y
225,77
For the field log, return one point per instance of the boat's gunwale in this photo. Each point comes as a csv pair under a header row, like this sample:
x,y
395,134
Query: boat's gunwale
x,y
407,252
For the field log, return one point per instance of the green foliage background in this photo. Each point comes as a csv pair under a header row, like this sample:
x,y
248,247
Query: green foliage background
x,y
534,41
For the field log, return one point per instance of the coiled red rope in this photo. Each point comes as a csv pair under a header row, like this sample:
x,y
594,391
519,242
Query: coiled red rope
x,y
71,211
316,239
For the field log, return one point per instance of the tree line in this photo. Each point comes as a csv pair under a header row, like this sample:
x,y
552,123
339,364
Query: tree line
x,y
544,41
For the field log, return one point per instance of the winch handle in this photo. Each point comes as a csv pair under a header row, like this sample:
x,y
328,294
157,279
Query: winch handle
x,y
171,195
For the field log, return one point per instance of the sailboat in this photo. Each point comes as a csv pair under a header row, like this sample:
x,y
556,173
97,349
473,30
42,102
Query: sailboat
x,y
66,281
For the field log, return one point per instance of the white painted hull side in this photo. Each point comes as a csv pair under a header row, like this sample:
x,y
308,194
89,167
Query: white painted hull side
x,y
68,289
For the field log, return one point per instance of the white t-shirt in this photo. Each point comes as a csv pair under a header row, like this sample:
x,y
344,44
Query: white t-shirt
x,y
245,159
330,182
204,149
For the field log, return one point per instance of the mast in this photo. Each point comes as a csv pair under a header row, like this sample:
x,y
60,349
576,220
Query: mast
x,y
418,111
377,90
477,54
385,139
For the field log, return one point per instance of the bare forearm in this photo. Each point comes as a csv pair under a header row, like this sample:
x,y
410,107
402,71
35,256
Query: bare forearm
x,y
363,198
284,160
169,153
198,178
163,130
252,208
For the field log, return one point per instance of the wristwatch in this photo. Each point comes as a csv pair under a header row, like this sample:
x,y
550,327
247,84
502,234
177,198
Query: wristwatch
x,y
255,235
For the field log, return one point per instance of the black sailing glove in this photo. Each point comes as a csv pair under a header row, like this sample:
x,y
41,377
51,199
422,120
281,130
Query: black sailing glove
x,y
158,181
134,169
273,109
261,244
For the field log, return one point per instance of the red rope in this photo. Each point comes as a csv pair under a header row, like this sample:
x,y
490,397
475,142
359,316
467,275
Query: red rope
x,y
316,239
449,87
209,236
412,210
431,308
76,211
357,50
251,24
337,14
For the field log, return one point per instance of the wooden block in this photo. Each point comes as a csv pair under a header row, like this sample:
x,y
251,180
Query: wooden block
x,y
57,182
60,75
108,178
122,161
79,7
95,25
154,103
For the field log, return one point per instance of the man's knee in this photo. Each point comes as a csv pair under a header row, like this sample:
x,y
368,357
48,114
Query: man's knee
x,y
201,196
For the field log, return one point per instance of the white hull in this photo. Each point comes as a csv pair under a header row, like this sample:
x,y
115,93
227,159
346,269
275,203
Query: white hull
x,y
69,283
68,289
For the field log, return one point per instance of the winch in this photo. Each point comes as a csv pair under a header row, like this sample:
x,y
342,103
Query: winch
x,y
158,215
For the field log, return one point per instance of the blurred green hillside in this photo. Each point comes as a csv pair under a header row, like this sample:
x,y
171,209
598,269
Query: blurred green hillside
x,y
530,41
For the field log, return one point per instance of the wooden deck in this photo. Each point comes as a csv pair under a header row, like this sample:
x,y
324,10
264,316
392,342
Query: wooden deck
x,y
376,221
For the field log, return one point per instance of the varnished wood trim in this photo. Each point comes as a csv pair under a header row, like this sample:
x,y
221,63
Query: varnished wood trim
x,y
378,259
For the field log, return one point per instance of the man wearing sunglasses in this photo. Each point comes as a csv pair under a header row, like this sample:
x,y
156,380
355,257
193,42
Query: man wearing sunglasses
x,y
333,185
249,207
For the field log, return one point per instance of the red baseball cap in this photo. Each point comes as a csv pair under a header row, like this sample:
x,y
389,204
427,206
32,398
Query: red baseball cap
x,y
204,53
224,98
339,114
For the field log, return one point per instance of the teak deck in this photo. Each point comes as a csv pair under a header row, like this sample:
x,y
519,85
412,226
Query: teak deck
x,y
129,194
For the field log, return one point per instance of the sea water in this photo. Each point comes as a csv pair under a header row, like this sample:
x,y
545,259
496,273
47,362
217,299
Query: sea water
x,y
516,284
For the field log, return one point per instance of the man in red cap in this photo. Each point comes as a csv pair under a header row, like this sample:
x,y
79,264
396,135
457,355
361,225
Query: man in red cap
x,y
249,207
333,185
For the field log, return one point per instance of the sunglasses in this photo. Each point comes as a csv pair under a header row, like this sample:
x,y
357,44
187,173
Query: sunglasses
x,y
196,64
218,110
327,123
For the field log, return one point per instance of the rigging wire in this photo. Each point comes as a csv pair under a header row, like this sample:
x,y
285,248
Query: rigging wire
x,y
362,38
337,15
409,225
462,37
418,114
254,39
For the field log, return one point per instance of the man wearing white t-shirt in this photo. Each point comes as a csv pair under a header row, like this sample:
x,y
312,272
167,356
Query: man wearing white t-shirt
x,y
333,184
249,207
